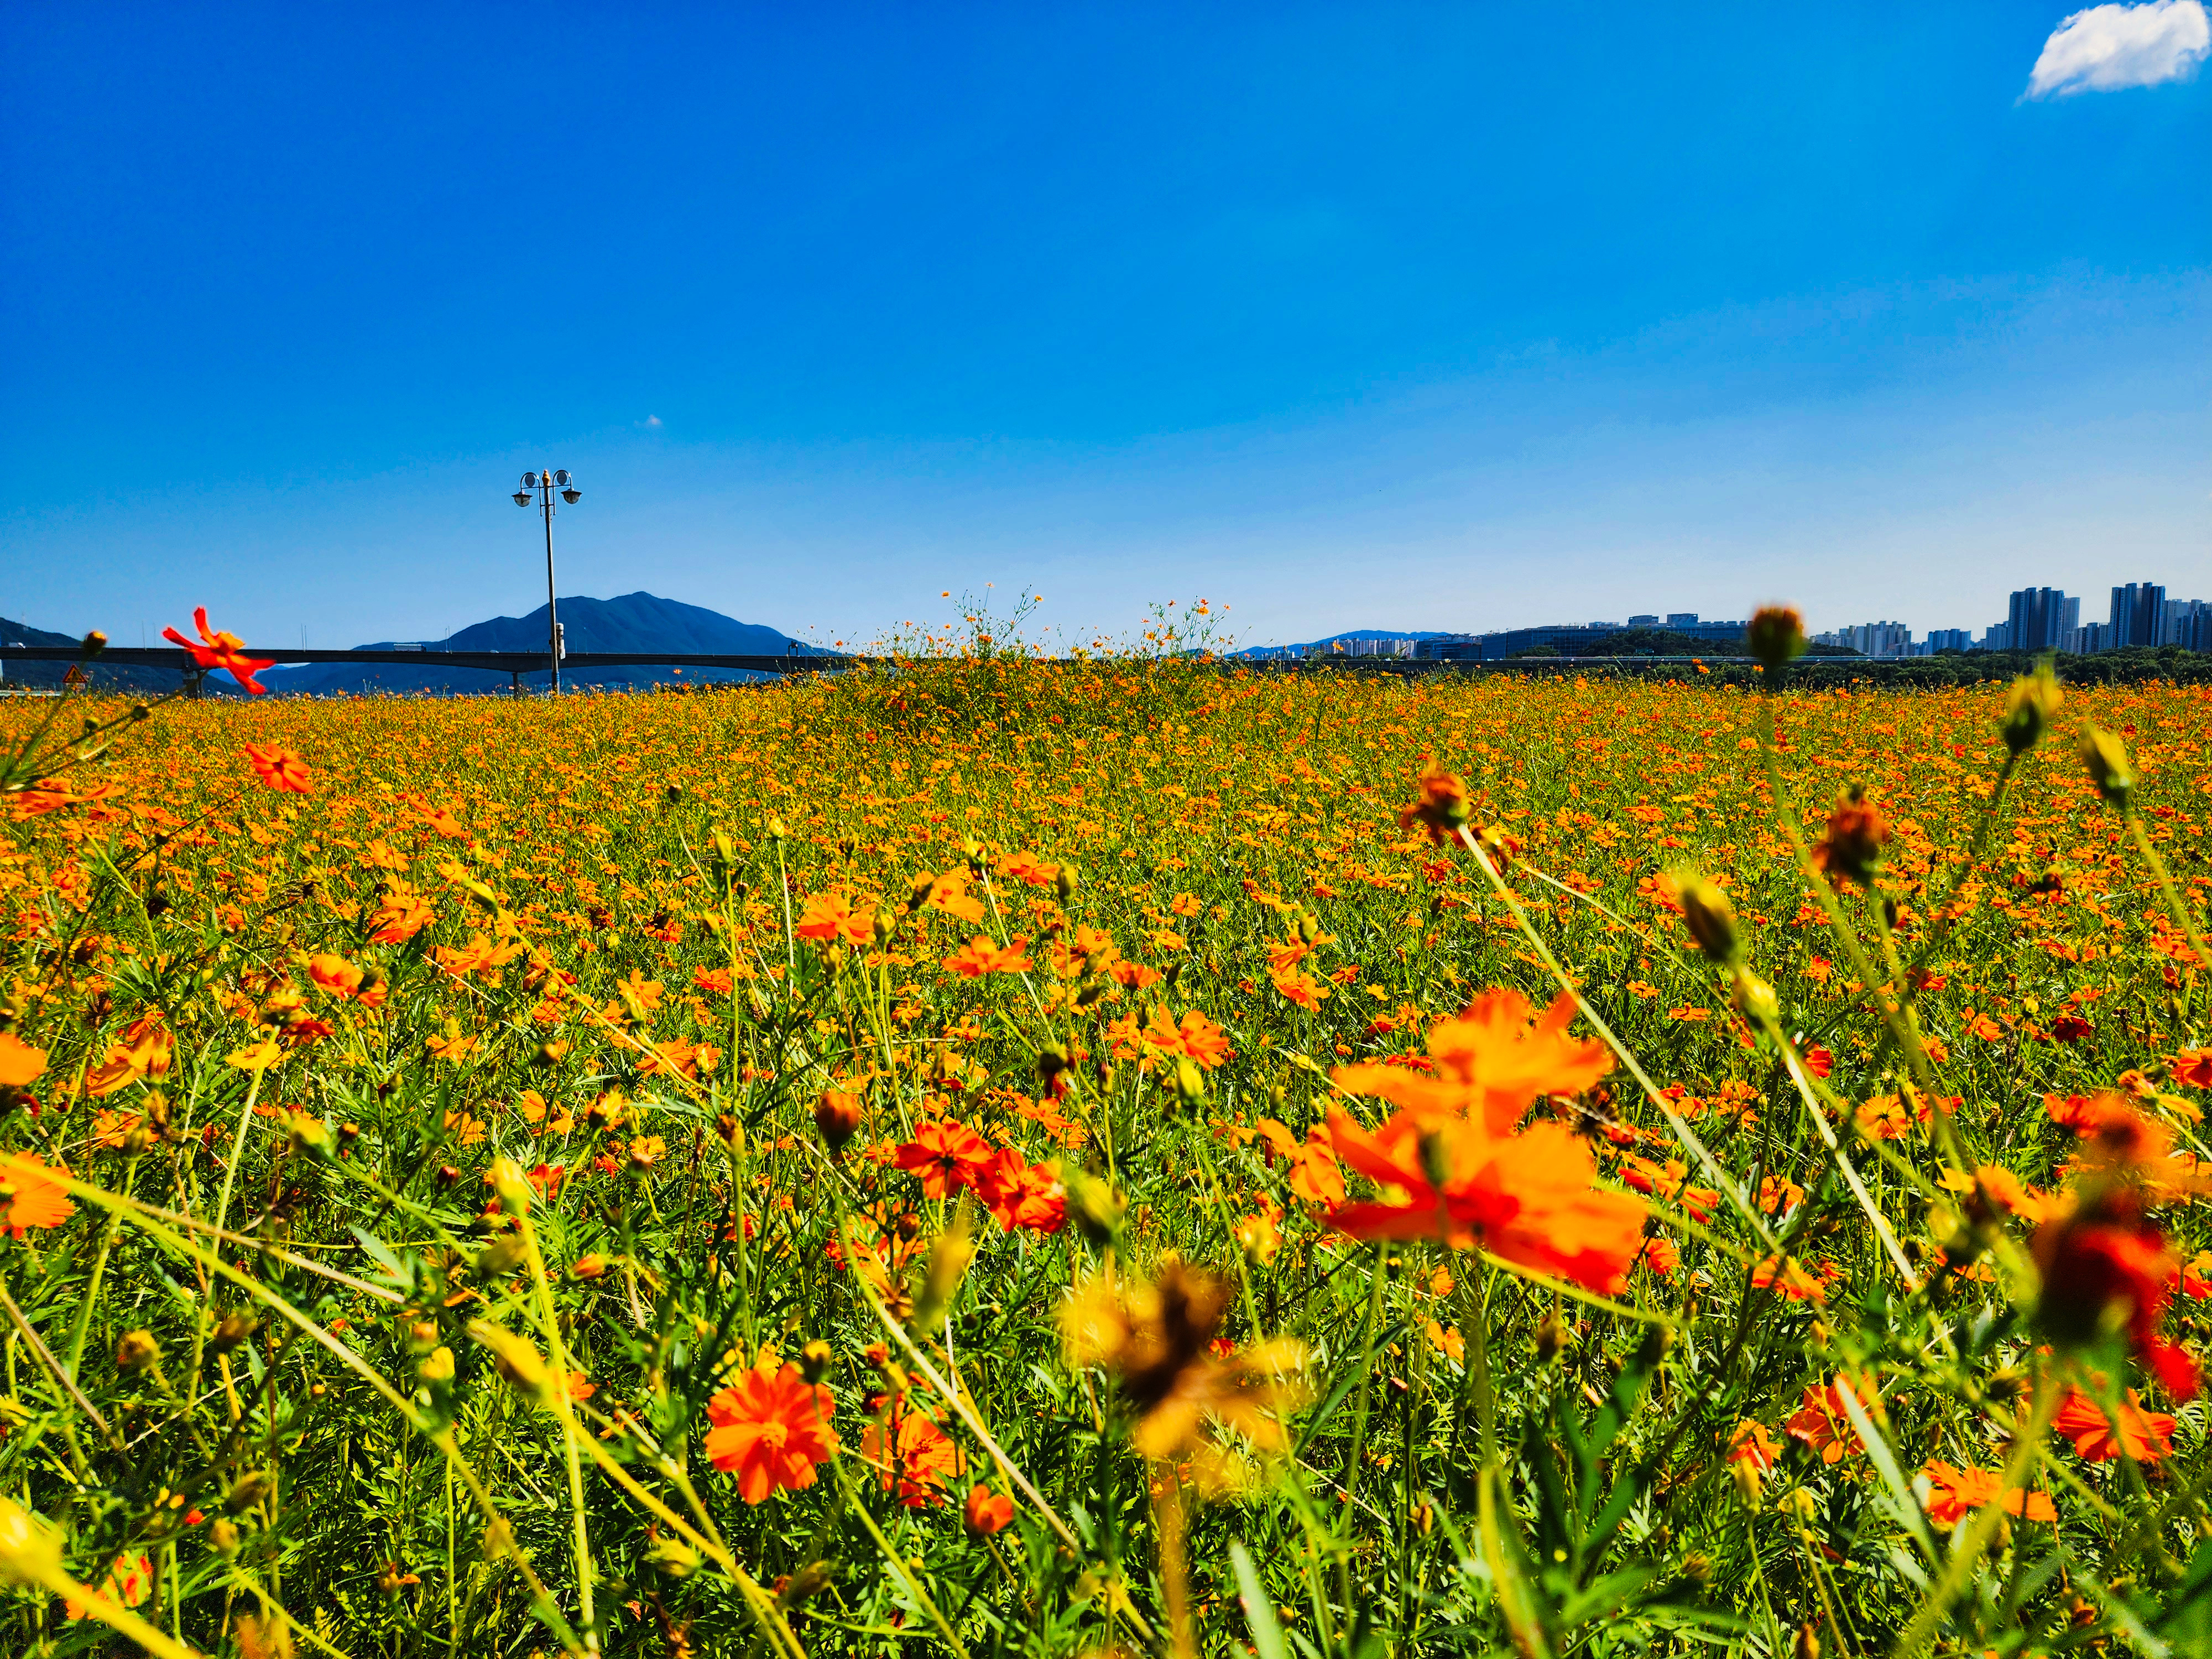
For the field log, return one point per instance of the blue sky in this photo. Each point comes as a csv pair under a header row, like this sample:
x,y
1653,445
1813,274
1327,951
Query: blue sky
x,y
1344,317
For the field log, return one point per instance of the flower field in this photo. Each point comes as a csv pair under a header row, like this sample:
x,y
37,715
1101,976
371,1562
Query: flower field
x,y
1020,1157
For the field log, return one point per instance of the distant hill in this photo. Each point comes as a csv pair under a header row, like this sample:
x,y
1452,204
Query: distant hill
x,y
112,677
635,621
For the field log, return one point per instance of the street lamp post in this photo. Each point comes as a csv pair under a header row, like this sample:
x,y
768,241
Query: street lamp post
x,y
546,486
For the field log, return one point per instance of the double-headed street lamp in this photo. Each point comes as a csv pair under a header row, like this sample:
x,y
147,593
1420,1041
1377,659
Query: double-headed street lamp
x,y
546,486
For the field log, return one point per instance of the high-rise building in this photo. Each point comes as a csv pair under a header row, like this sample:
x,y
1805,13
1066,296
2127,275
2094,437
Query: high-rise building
x,y
2185,622
2041,618
2137,610
1681,619
1881,639
1997,637
2088,639
1949,639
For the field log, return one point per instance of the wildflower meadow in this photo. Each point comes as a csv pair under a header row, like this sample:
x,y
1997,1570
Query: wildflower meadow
x,y
1139,1155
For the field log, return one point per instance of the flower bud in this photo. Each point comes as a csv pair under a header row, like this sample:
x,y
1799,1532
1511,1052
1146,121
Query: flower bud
x,y
252,1487
814,1360
588,1267
776,830
672,1558
1052,1059
235,1328
308,1136
2033,699
499,1257
136,1352
1755,1000
224,1537
1066,881
94,643
1708,914
1776,635
2106,758
837,1118
435,1369
512,1186
1190,1081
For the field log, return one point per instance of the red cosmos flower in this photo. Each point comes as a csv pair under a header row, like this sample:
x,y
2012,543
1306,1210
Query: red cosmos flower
x,y
222,651
1954,1494
2192,1066
947,1154
916,1457
771,1428
281,769
2145,1436
2070,1028
2103,1262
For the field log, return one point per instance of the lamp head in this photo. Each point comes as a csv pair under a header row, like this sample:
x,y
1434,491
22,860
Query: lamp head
x,y
522,498
571,496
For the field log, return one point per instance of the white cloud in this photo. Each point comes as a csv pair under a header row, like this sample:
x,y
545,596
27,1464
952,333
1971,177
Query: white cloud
x,y
2106,48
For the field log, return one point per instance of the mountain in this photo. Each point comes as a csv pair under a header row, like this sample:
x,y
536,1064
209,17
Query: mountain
x,y
105,676
635,621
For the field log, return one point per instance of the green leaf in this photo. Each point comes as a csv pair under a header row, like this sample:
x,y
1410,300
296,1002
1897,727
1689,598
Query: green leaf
x,y
1258,1611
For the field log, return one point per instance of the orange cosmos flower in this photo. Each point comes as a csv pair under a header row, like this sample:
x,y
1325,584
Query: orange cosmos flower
x,y
1021,1195
979,956
987,1511
916,1457
829,918
1441,807
1822,1425
20,1063
1303,989
222,651
146,1050
1954,1494
280,768
1314,1176
30,1196
399,917
947,1154
1526,1198
129,1581
335,975
1788,1278
2145,1436
1491,1061
771,1428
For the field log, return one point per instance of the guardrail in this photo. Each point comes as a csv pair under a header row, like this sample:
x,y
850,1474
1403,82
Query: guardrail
x,y
513,663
